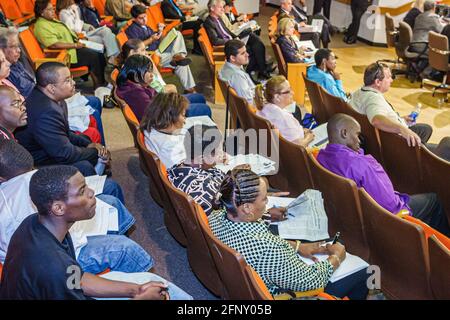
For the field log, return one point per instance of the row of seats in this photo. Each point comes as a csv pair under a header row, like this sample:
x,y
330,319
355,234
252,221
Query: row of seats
x,y
412,170
19,11
357,216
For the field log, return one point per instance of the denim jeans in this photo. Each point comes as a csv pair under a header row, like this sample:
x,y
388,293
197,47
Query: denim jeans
x,y
114,251
112,188
175,292
195,97
198,109
96,104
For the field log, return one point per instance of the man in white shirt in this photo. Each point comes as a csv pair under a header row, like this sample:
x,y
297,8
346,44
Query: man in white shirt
x,y
369,100
96,250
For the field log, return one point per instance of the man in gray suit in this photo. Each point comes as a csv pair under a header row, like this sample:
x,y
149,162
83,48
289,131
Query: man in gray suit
x,y
425,22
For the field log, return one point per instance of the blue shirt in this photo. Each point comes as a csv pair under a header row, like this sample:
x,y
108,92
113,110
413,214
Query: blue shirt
x,y
136,31
327,81
176,8
22,79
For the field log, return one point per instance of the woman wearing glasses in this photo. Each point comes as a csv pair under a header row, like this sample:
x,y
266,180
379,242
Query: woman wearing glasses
x,y
273,102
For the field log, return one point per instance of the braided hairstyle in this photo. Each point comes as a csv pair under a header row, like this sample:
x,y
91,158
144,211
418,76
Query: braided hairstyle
x,y
240,186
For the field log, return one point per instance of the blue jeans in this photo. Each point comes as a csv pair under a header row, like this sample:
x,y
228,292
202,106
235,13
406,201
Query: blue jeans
x,y
114,251
96,104
198,109
112,188
353,286
175,293
195,97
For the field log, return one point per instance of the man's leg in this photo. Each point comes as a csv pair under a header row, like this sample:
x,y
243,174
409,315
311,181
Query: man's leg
x,y
126,220
175,292
184,73
423,130
96,104
195,26
116,252
427,208
259,52
112,188
85,167
353,286
198,109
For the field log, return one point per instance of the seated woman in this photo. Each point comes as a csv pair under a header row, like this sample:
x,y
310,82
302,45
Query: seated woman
x,y
161,124
69,13
272,103
136,46
133,86
291,52
241,202
90,15
53,34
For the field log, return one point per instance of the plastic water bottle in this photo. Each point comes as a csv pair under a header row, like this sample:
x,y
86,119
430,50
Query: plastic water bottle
x,y
416,112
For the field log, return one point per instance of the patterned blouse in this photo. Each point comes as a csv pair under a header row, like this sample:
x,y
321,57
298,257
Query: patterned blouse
x,y
202,185
273,258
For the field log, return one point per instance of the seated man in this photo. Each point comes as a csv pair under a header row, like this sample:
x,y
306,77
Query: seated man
x,y
369,100
99,243
287,9
219,34
344,157
24,80
174,56
324,73
47,135
171,10
40,263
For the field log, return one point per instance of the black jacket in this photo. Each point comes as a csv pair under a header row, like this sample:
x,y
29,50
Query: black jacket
x,y
169,11
213,33
47,135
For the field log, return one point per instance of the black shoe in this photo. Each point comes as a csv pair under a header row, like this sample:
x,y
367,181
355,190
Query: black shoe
x,y
264,76
270,67
180,62
351,40
345,39
254,78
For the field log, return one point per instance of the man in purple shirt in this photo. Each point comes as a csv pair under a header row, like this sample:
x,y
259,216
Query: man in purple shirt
x,y
344,157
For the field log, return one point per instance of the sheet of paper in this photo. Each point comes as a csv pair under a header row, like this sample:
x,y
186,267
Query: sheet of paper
x,y
278,201
260,165
98,47
96,183
307,219
191,121
317,24
320,136
350,265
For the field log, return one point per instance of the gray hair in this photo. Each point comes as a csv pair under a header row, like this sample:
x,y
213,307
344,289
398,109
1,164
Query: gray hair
x,y
212,3
5,34
428,5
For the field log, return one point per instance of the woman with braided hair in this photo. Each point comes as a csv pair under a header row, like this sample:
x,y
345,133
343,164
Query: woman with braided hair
x,y
237,222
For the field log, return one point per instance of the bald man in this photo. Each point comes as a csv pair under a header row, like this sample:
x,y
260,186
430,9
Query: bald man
x,y
13,113
344,157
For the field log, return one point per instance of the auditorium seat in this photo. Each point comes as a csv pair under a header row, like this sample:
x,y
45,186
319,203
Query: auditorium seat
x,y
439,273
315,97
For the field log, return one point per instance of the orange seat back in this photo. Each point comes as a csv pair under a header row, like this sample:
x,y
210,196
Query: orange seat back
x,y
100,6
10,9
429,231
25,6
121,38
31,45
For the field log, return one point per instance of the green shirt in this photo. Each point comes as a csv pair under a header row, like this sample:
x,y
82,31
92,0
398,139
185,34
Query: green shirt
x,y
49,32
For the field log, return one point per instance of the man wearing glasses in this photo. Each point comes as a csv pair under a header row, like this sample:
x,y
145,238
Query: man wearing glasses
x,y
13,113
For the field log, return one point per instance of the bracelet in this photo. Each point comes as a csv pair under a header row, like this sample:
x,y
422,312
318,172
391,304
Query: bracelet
x,y
297,245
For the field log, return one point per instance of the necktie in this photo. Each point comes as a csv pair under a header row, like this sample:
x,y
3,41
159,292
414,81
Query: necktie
x,y
224,34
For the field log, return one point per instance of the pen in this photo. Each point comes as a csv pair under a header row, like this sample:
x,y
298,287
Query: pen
x,y
336,237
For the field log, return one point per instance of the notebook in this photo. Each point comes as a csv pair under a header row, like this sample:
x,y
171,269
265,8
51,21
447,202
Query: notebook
x,y
167,40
